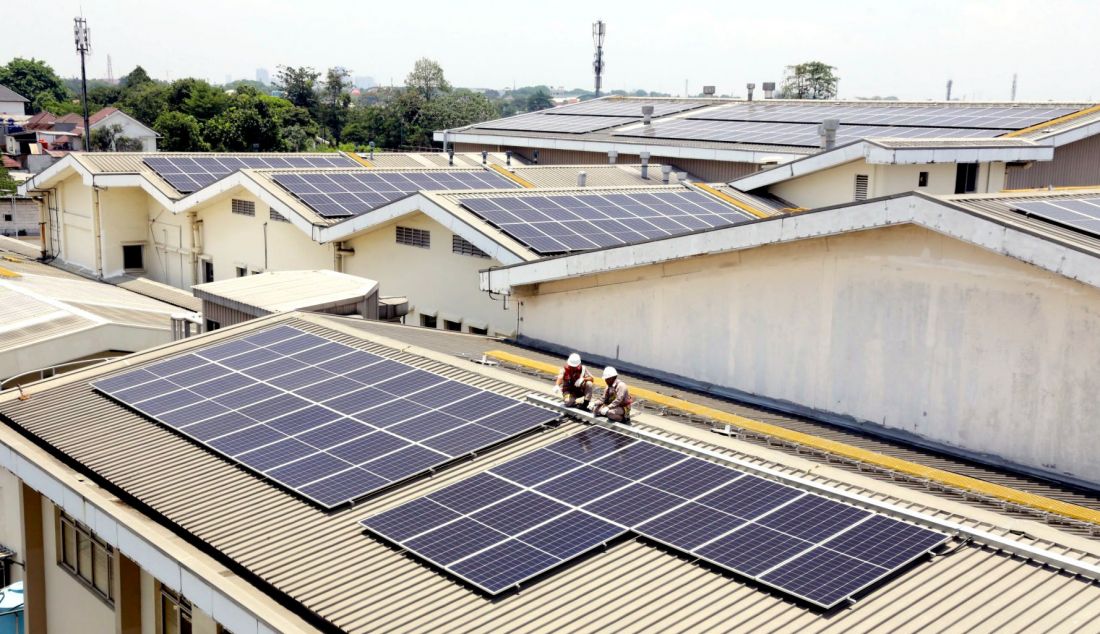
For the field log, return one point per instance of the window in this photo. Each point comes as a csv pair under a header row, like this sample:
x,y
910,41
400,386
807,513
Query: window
x,y
462,246
86,556
861,187
132,257
966,178
477,331
414,237
175,613
242,271
922,179
428,321
244,207
212,325
207,271
7,217
276,216
454,326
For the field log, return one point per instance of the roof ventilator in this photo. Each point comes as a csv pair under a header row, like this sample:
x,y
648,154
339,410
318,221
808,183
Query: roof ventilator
x,y
750,87
827,129
666,171
370,149
769,90
582,178
484,157
647,114
708,91
645,165
508,157
451,157
612,156
535,156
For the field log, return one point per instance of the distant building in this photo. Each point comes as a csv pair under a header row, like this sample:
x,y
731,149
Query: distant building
x,y
46,132
12,102
263,76
364,82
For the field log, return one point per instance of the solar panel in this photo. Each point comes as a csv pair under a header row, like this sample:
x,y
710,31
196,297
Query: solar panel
x,y
191,173
562,224
541,122
624,107
338,195
533,513
348,424
997,118
1081,214
796,134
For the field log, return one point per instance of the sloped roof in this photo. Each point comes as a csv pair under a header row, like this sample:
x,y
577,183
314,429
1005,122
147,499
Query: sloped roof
x,y
7,94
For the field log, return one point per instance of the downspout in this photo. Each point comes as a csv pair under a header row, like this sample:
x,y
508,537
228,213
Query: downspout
x,y
265,247
43,223
196,246
97,230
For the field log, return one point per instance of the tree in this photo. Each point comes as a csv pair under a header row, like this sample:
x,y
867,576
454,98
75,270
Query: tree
x,y
197,98
7,183
298,86
335,100
35,80
810,80
146,102
451,110
427,79
180,132
539,100
110,139
135,78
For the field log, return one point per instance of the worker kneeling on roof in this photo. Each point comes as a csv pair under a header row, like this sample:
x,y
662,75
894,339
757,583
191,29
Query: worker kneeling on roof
x,y
574,382
615,401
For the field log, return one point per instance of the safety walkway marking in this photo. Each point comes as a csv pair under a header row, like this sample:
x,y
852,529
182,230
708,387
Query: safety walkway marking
x,y
510,175
1046,124
733,201
941,476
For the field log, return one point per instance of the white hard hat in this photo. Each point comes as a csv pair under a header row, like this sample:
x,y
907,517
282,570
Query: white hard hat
x,y
574,360
609,372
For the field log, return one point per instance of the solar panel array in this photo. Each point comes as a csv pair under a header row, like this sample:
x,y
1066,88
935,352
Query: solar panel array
x,y
1082,214
348,194
998,118
540,122
624,108
802,134
191,173
560,224
325,420
534,513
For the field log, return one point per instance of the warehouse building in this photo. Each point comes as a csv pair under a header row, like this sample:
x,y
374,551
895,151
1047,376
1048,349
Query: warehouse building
x,y
816,153
178,534
961,322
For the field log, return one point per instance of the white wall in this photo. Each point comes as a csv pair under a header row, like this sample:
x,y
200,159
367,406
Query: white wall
x,y
74,216
12,107
899,327
436,280
836,185
11,520
70,605
132,129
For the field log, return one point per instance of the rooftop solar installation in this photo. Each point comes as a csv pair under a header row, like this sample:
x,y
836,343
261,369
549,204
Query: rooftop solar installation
x,y
561,224
800,134
539,511
1003,118
323,419
191,173
624,108
541,122
1082,214
344,195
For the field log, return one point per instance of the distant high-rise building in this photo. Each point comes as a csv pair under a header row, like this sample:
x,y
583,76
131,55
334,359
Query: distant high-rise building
x,y
364,82
263,76
228,78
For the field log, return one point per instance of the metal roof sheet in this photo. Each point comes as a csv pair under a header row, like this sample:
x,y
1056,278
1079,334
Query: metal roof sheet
x,y
283,291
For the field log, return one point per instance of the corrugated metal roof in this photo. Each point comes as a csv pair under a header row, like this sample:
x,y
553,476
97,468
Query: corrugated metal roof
x,y
284,291
765,202
565,176
324,564
158,291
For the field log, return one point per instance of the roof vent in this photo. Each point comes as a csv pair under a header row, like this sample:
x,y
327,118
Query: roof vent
x,y
508,157
484,157
769,89
750,87
451,157
612,156
708,91
535,156
647,114
827,129
682,177
582,178
645,165
666,170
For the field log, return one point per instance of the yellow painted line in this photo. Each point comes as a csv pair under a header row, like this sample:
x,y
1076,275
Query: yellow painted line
x,y
941,476
360,159
733,201
10,258
522,181
9,274
1045,189
1046,124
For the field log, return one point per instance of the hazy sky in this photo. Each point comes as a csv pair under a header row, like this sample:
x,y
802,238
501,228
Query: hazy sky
x,y
907,48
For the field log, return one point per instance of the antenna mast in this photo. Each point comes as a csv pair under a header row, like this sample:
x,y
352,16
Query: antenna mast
x,y
83,47
110,72
599,29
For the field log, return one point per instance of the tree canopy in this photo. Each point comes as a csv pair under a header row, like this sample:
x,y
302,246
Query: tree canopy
x,y
35,80
809,80
427,78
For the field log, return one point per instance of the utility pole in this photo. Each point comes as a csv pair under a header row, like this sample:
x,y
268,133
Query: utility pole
x,y
110,72
949,82
599,29
83,46
1013,87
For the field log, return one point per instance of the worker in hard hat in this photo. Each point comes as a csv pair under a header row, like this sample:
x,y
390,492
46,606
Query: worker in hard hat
x,y
574,382
615,401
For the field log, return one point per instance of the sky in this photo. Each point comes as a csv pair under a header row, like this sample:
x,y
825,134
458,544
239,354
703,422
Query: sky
x,y
903,48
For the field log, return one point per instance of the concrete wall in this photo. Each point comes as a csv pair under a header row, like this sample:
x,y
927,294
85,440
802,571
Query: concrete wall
x,y
436,280
71,606
1074,165
74,217
837,185
900,328
12,107
24,217
11,520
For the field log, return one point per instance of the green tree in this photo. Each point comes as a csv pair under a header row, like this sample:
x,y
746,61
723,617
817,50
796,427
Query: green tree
x,y
135,78
298,86
335,100
197,98
110,139
810,80
452,110
539,100
146,102
180,132
427,79
7,183
35,80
